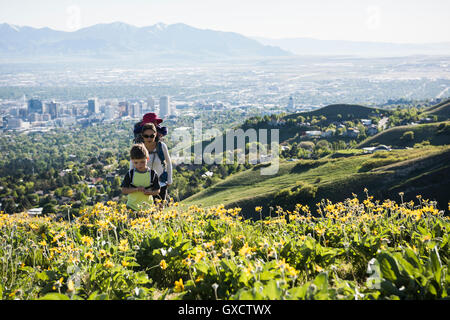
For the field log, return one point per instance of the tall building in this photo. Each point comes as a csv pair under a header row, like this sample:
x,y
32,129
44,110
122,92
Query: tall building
x,y
34,106
14,112
164,106
110,112
123,108
17,123
150,104
54,109
135,110
34,117
93,106
291,103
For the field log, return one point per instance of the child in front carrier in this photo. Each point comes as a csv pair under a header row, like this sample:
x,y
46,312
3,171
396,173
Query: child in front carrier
x,y
141,182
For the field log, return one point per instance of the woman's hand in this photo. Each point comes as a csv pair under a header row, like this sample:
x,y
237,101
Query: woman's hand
x,y
151,192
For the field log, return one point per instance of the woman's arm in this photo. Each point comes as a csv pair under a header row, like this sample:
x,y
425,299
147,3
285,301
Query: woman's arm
x,y
168,163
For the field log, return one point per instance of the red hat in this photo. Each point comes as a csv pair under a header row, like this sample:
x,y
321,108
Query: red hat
x,y
151,118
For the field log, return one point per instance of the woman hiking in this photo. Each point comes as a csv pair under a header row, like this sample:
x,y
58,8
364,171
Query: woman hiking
x,y
147,132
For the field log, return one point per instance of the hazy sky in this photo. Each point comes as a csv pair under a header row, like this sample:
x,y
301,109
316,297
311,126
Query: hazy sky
x,y
402,21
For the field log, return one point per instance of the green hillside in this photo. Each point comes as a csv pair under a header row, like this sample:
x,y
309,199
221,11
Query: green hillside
x,y
346,112
437,106
309,181
436,133
441,110
290,132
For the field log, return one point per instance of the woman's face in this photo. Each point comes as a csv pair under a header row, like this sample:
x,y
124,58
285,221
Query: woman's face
x,y
149,135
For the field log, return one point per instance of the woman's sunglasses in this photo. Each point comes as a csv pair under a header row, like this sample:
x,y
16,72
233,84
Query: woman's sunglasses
x,y
148,137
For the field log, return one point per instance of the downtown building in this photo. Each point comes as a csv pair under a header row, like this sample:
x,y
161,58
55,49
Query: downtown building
x,y
93,106
54,109
164,106
35,106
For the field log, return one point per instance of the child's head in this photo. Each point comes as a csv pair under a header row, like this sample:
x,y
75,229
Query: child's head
x,y
139,156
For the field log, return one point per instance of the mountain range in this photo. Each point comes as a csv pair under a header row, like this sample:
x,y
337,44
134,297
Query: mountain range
x,y
119,40
179,41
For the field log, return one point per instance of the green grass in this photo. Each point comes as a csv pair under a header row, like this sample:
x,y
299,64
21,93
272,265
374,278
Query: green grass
x,y
335,179
436,133
347,112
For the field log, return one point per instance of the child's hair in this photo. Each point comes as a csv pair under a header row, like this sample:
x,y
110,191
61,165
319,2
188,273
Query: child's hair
x,y
138,151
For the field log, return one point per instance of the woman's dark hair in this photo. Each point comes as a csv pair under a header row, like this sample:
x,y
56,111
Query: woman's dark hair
x,y
148,126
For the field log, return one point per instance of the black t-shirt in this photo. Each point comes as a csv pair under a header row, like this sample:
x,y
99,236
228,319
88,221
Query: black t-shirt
x,y
128,179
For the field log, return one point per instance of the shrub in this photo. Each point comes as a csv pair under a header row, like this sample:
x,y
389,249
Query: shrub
x,y
407,136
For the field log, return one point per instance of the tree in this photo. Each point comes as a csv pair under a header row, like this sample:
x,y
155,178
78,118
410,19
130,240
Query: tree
x,y
48,208
408,136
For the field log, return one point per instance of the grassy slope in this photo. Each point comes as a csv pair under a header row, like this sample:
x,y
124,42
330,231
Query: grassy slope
x,y
347,111
336,180
292,133
441,110
437,106
422,132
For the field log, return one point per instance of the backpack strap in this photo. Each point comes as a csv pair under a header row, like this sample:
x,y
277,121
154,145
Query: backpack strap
x,y
131,173
160,153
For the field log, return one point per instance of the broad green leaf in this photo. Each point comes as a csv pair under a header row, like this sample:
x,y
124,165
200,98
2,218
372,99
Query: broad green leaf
x,y
244,295
435,260
411,257
406,266
266,275
96,296
202,267
42,276
272,291
321,281
388,267
389,289
54,296
297,293
422,230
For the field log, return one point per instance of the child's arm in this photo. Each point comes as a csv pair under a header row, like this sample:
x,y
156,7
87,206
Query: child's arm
x,y
151,192
131,190
127,187
154,188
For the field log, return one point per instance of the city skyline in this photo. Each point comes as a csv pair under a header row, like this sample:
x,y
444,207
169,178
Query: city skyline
x,y
375,21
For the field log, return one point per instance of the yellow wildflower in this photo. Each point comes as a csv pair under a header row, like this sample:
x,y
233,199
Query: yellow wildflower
x,y
245,250
163,264
179,286
87,240
70,286
102,253
89,256
123,246
318,268
108,264
200,278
